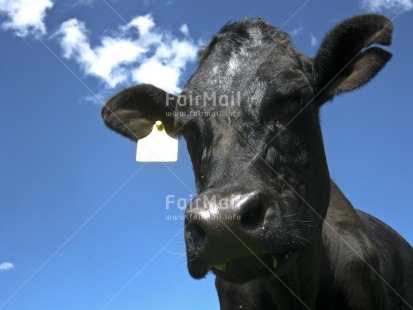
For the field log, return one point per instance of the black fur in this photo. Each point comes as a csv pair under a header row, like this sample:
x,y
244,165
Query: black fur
x,y
268,221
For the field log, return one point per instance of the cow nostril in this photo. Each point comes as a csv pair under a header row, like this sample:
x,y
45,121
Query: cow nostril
x,y
253,217
195,235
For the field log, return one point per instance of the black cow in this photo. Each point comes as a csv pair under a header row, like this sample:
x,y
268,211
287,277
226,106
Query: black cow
x,y
268,221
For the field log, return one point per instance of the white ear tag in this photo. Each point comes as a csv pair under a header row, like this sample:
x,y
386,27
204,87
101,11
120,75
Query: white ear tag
x,y
157,146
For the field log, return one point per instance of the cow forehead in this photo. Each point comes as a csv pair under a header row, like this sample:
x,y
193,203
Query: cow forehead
x,y
245,57
241,48
237,70
248,32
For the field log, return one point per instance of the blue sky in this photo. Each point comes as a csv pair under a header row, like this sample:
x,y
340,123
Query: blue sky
x,y
84,226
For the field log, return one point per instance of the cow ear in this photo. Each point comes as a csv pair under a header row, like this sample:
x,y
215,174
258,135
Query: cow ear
x,y
344,62
133,111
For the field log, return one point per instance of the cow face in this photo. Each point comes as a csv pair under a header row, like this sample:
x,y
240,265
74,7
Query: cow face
x,y
249,115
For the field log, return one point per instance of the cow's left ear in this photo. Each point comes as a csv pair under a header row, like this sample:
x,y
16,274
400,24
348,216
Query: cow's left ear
x,y
344,62
133,111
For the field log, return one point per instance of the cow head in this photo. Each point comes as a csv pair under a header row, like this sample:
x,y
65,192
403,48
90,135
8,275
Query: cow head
x,y
249,115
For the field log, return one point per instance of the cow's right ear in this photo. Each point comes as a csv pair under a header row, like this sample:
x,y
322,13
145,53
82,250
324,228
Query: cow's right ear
x,y
133,111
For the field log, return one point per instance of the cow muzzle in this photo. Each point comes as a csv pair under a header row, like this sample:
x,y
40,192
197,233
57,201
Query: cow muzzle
x,y
228,234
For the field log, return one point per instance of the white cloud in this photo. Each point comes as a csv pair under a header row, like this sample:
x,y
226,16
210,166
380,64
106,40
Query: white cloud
x,y
25,16
184,29
313,41
148,56
142,23
387,5
106,60
154,72
6,266
296,31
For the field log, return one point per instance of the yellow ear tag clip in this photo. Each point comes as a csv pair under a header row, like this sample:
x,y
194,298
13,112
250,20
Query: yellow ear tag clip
x,y
157,146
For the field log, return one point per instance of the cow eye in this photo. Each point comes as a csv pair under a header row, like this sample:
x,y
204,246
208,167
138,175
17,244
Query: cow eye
x,y
287,104
297,99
